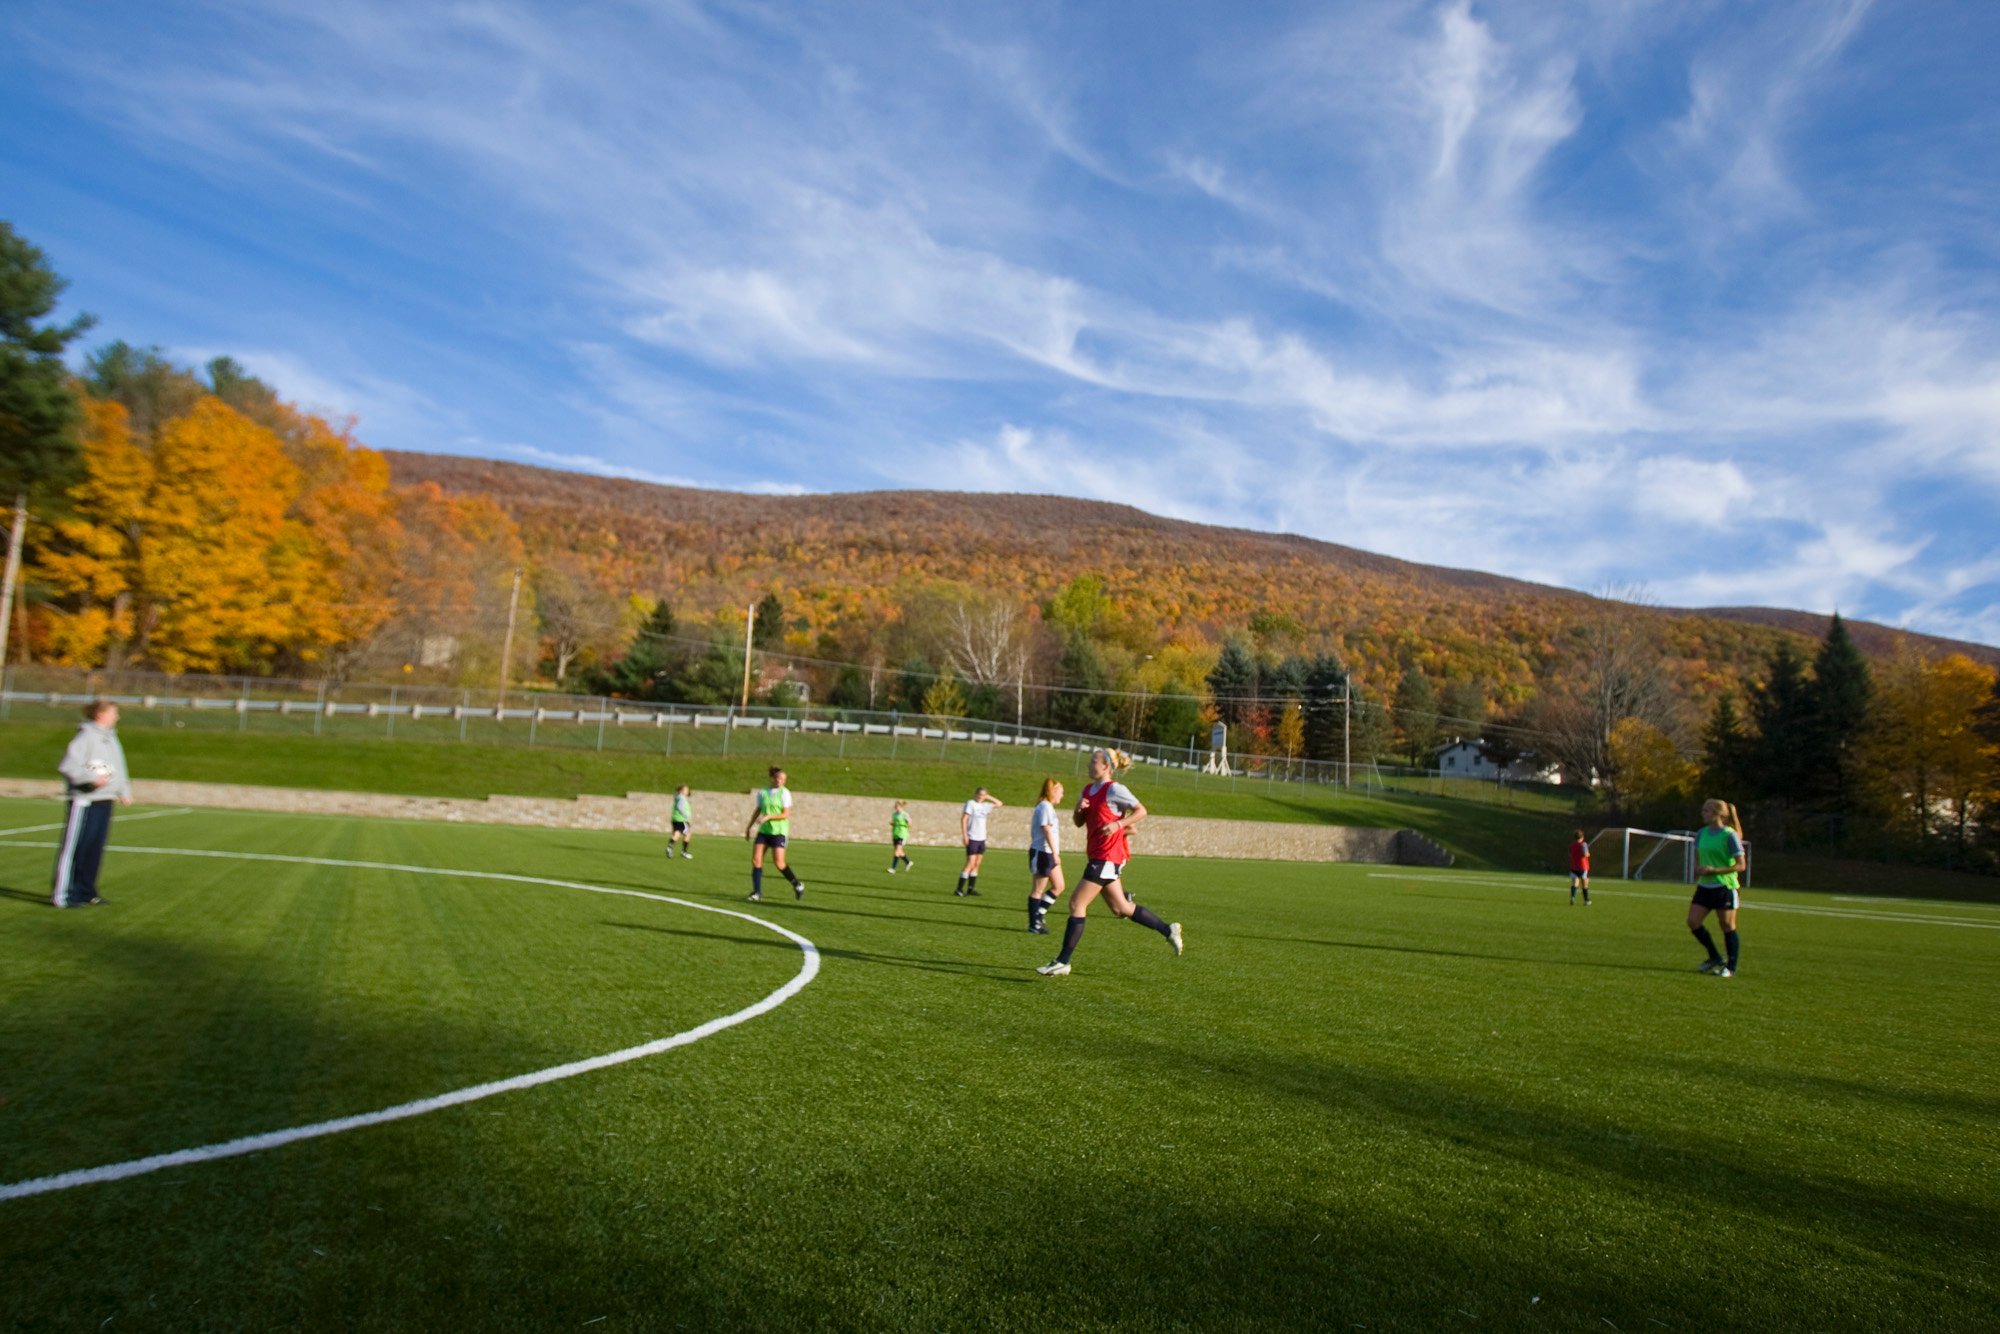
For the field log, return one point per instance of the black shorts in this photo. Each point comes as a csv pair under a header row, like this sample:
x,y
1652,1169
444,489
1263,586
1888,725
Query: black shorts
x,y
1041,864
680,826
897,842
1716,898
770,840
1104,873
975,847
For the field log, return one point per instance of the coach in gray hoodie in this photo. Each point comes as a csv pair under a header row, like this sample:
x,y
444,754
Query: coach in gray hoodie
x,y
93,770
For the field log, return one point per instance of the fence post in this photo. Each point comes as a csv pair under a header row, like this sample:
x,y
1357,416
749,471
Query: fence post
x,y
534,720
392,711
895,731
464,703
319,707
7,682
728,726
603,707
243,709
670,729
785,741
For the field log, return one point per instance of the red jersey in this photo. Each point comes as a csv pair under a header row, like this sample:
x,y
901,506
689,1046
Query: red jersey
x,y
1579,856
1101,804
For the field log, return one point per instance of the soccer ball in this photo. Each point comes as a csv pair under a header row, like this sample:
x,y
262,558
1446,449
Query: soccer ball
x,y
98,769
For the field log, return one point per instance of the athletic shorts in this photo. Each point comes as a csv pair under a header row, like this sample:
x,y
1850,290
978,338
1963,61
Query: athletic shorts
x,y
680,826
897,842
975,847
1103,873
1716,898
1579,873
770,840
1041,864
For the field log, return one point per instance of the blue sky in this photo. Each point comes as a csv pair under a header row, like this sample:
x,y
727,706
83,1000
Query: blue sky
x,y
1702,297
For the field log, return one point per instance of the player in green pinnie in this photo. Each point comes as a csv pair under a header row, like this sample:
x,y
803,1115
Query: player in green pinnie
x,y
899,837
770,827
683,833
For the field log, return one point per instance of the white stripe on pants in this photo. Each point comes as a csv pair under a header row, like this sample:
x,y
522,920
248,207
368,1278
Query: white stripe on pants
x,y
66,853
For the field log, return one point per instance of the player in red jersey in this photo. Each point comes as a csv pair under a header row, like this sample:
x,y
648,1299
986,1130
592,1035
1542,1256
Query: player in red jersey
x,y
1579,870
1108,813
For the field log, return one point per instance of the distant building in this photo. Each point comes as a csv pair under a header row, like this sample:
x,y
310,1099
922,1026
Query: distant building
x,y
1468,759
769,675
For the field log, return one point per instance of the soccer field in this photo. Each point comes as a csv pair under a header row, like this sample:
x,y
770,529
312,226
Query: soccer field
x,y
1367,1097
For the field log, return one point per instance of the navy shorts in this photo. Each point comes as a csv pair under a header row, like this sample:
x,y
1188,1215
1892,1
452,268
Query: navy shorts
x,y
975,846
897,841
1104,873
770,840
1716,898
680,826
1041,864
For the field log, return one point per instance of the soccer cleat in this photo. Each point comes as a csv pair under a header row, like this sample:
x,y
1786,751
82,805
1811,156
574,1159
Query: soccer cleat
x,y
1174,937
688,855
1709,965
971,893
756,897
1722,971
798,889
94,899
1038,930
1054,968
892,868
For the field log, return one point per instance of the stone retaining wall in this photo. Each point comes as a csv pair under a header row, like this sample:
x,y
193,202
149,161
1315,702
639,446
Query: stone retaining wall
x,y
818,818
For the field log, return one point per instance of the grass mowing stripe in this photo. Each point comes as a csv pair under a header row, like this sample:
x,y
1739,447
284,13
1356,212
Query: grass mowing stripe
x,y
808,969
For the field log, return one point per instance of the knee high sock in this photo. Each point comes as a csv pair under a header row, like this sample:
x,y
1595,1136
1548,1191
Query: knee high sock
x,y
1707,942
1729,940
1072,936
786,872
1146,917
756,880
1034,909
972,882
961,881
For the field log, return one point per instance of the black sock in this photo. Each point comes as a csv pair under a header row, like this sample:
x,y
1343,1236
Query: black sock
x,y
786,872
1035,909
1729,940
971,883
1707,943
1146,917
961,885
1072,935
756,880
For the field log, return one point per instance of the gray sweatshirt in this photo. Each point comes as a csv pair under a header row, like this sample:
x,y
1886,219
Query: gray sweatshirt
x,y
94,753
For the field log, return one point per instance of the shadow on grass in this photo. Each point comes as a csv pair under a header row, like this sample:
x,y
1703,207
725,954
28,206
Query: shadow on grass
x,y
1543,962
956,967
1689,1170
1957,1102
26,895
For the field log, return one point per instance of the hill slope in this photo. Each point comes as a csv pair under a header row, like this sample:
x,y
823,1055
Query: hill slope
x,y
847,559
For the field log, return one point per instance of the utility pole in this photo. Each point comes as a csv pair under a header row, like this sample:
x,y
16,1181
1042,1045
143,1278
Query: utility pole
x,y
1346,731
749,629
13,573
507,644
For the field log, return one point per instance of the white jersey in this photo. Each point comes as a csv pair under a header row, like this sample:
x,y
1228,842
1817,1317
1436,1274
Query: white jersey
x,y
1043,832
976,812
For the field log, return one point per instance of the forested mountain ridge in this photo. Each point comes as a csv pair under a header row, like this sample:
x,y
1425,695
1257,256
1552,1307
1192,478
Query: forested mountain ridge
x,y
841,557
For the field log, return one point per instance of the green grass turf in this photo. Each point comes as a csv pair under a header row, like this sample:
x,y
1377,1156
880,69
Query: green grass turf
x,y
1367,1097
1481,834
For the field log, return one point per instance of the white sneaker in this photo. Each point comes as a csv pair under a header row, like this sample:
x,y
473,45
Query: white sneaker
x,y
1174,937
1054,968
688,855
1709,965
1723,971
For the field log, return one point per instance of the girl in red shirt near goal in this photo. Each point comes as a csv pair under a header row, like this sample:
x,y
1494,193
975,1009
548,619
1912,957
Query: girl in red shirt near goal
x,y
1108,812
1579,870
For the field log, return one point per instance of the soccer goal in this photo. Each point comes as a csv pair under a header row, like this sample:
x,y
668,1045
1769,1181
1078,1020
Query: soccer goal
x,y
1653,854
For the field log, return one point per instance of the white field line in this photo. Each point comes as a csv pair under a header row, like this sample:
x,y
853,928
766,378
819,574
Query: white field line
x,y
1923,919
1908,905
808,969
127,819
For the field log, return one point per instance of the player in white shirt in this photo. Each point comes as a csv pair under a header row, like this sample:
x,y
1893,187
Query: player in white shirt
x,y
1044,857
972,829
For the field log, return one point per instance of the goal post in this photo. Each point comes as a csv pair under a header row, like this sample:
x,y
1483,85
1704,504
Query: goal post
x,y
1655,854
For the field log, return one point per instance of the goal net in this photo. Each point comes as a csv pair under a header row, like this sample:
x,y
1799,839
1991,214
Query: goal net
x,y
1647,854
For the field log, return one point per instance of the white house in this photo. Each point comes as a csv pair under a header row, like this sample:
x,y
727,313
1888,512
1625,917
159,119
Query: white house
x,y
1465,759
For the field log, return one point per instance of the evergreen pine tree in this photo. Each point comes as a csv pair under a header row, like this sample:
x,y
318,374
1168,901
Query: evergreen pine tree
x,y
1080,707
1325,680
1233,682
1780,714
1838,701
647,670
1417,715
1725,753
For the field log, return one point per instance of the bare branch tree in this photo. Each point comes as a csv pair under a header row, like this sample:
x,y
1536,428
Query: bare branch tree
x,y
988,644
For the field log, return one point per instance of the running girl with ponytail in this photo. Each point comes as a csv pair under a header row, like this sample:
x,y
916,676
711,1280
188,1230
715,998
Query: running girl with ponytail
x,y
1718,852
1108,813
